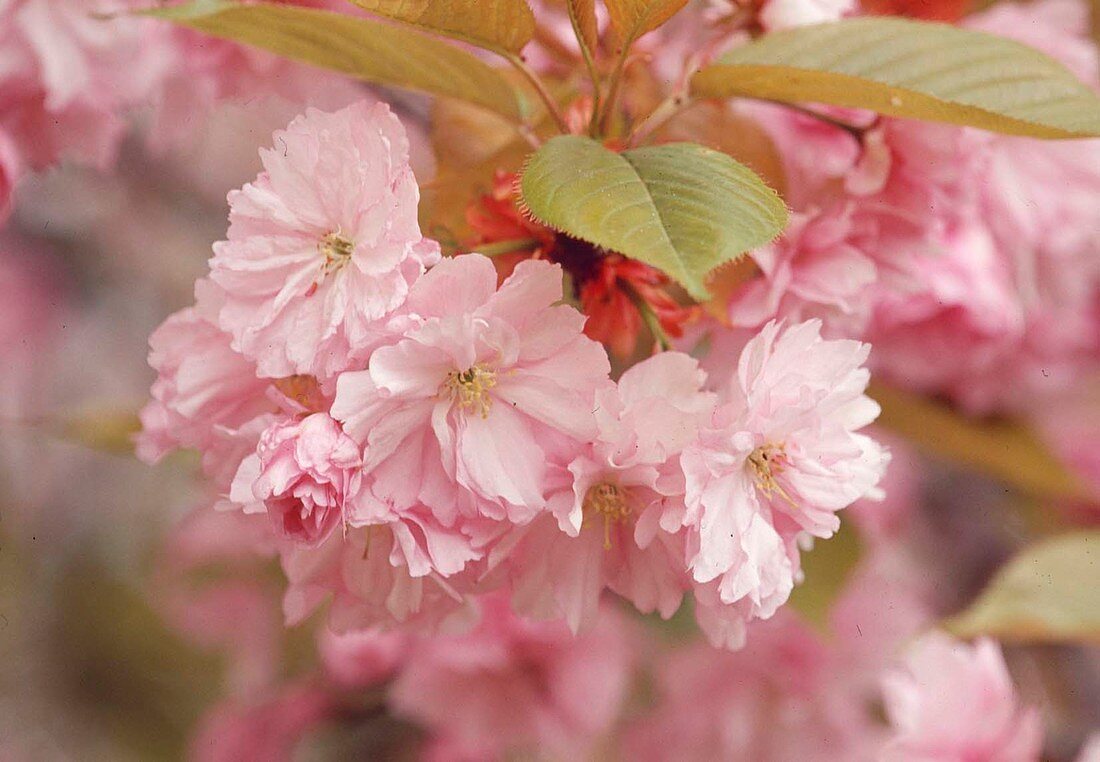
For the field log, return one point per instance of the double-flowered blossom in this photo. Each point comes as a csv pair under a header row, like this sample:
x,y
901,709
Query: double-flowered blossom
x,y
323,245
482,393
68,81
780,457
301,475
818,269
953,701
602,530
204,390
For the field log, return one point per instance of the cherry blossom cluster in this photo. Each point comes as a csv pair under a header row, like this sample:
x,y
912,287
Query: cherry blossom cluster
x,y
420,432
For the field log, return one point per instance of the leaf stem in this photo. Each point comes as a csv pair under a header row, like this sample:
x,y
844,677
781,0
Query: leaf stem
x,y
613,89
590,64
540,88
666,110
649,317
851,129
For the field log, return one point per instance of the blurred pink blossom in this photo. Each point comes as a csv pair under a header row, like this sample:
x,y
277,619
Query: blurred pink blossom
x,y
510,686
952,701
267,729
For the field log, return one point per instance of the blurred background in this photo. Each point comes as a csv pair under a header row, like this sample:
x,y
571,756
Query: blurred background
x,y
126,616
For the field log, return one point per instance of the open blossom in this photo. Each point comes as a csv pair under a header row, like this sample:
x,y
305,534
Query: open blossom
x,y
779,458
301,475
379,577
952,701
324,244
204,389
603,529
784,697
483,391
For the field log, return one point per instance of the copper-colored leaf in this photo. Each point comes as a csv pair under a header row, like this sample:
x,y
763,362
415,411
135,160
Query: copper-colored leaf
x,y
501,25
364,48
1003,449
633,18
583,15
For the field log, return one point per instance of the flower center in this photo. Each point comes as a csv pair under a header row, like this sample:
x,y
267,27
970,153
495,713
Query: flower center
x,y
305,390
469,388
337,250
768,461
609,501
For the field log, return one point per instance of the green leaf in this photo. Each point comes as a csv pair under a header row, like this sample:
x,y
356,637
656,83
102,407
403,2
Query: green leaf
x,y
916,69
370,50
681,208
633,18
1047,593
499,25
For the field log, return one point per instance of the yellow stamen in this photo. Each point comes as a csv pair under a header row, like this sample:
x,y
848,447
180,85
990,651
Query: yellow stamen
x,y
337,250
469,388
768,461
609,501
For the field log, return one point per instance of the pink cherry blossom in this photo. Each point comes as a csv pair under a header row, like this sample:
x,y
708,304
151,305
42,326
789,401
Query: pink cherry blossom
x,y
951,331
816,270
362,658
515,686
483,391
268,728
792,692
204,389
953,701
67,79
604,531
380,577
324,244
301,475
208,70
779,457
781,698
